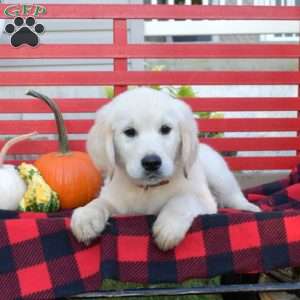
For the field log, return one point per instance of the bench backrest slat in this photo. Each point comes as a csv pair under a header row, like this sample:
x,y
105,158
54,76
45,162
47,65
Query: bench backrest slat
x,y
51,78
111,11
69,105
153,51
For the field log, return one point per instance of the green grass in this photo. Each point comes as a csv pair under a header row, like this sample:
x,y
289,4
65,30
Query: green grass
x,y
115,285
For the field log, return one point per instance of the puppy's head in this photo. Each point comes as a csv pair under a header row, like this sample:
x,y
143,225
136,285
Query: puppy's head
x,y
145,132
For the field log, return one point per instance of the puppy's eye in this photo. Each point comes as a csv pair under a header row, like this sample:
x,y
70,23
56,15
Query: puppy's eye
x,y
130,132
165,129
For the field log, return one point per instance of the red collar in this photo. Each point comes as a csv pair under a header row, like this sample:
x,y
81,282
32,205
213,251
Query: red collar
x,y
146,187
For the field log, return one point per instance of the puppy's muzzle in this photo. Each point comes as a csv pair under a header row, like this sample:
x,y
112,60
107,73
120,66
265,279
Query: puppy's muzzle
x,y
151,163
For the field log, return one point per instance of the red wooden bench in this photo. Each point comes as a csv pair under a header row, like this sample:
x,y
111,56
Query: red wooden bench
x,y
121,51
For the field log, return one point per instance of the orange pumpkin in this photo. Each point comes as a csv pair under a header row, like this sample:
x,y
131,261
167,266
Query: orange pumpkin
x,y
70,173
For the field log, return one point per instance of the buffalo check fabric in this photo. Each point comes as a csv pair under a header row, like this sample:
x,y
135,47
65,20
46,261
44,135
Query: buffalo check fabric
x,y
40,259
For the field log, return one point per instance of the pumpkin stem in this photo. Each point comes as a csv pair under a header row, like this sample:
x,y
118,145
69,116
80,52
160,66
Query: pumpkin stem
x,y
62,133
11,142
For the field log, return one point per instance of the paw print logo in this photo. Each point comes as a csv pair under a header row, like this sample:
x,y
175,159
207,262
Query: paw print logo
x,y
24,31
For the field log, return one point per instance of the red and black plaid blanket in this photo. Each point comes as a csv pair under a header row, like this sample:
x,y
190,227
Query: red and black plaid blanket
x,y
40,259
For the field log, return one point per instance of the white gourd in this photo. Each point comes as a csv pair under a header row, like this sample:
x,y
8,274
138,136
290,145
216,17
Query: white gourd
x,y
12,186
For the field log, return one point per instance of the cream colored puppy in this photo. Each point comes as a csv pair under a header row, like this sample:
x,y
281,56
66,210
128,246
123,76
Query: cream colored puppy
x,y
146,142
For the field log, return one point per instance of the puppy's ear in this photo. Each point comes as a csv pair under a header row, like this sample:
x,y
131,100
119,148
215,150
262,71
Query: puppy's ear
x,y
189,139
100,145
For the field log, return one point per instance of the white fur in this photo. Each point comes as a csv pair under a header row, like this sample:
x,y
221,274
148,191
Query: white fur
x,y
199,178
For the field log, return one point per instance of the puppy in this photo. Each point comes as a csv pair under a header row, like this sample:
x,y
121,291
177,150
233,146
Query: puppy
x,y
146,142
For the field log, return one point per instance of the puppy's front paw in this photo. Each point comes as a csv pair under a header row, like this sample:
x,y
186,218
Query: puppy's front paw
x,y
168,232
87,223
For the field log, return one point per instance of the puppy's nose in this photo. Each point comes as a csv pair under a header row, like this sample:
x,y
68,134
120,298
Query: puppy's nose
x,y
151,162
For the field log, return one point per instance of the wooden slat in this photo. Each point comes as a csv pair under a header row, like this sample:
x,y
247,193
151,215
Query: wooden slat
x,y
249,124
36,106
244,104
147,78
92,11
73,105
120,39
206,125
42,146
42,126
263,163
87,51
254,144
221,144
